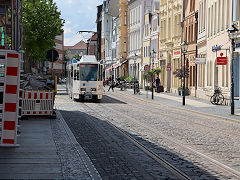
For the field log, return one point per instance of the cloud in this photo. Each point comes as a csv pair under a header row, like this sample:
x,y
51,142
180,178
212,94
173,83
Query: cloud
x,y
79,15
72,40
67,30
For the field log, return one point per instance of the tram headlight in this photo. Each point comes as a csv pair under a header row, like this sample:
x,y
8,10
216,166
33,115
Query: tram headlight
x,y
93,89
83,89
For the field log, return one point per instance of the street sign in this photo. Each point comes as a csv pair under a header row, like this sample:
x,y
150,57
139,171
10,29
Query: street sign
x,y
146,68
221,60
168,68
200,60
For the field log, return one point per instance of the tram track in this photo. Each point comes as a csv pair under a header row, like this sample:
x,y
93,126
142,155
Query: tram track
x,y
178,173
217,163
184,119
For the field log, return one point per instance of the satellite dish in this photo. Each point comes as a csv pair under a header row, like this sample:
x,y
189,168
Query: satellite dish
x,y
52,55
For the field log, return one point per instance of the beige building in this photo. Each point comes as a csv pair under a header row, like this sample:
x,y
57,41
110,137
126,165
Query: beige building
x,y
215,17
190,36
123,36
170,40
146,44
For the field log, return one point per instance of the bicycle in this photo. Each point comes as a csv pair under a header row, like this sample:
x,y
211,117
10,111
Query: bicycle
x,y
217,98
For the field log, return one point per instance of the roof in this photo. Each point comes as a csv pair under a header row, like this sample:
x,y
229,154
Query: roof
x,y
79,45
94,37
88,59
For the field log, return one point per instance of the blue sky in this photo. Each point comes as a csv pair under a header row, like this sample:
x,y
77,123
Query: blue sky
x,y
78,15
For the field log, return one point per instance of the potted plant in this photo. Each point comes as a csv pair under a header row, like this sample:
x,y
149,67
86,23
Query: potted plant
x,y
180,74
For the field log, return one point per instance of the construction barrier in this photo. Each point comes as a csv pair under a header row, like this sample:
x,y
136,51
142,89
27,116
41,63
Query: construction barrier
x,y
10,62
37,103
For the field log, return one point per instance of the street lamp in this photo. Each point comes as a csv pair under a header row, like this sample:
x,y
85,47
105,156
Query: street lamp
x,y
184,48
153,53
135,76
232,33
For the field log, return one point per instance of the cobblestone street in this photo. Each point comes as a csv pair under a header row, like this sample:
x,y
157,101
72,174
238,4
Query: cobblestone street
x,y
200,146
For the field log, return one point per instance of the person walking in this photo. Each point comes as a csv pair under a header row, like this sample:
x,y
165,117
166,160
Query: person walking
x,y
158,84
111,85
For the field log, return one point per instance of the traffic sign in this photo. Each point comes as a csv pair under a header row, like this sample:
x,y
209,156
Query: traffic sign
x,y
221,60
146,68
169,68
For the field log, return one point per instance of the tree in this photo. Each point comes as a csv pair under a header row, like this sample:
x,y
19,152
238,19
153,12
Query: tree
x,y
149,74
42,23
77,56
66,58
180,72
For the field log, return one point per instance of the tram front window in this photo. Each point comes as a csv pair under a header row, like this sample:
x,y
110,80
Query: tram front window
x,y
88,72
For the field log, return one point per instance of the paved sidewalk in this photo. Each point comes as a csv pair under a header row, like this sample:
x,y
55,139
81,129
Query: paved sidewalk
x,y
48,150
36,158
192,103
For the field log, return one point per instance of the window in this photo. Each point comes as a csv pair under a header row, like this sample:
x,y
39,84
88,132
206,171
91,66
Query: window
x,y
125,17
88,72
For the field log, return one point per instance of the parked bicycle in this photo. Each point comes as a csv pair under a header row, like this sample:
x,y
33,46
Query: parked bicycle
x,y
217,98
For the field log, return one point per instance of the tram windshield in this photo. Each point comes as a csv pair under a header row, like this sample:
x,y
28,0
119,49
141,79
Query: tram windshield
x,y
88,72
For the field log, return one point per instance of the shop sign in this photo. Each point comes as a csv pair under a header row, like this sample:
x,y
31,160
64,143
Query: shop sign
x,y
177,53
221,60
200,60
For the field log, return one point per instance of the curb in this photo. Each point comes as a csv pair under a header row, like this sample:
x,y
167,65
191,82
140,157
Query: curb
x,y
93,173
188,110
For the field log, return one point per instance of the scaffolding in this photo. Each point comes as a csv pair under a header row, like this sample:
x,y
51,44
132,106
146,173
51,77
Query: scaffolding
x,y
11,28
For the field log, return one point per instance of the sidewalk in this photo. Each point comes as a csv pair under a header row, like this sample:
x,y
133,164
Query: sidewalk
x,y
47,150
192,103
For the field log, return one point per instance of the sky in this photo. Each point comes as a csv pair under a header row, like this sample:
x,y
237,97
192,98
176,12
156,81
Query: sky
x,y
79,15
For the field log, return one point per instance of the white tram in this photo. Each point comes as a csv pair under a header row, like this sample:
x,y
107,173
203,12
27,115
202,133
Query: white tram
x,y
85,79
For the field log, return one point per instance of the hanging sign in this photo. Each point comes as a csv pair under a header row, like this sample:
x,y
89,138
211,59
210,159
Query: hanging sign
x,y
221,60
146,68
169,68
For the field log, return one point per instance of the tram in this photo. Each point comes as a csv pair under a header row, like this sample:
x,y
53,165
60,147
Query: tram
x,y
85,78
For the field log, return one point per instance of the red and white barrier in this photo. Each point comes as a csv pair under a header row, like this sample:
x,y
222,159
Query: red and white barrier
x,y
9,89
37,103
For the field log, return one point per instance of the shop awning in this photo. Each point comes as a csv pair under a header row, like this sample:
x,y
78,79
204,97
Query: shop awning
x,y
113,66
124,62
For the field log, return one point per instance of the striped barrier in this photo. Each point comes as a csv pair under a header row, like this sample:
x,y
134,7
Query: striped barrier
x,y
9,100
37,103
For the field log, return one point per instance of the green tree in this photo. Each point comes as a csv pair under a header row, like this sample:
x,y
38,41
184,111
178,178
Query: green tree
x,y
77,56
42,23
66,58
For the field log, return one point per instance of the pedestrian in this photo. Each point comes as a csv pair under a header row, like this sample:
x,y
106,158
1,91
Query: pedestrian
x,y
111,85
158,84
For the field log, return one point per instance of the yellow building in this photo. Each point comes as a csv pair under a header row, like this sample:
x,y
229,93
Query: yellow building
x,y
146,43
170,40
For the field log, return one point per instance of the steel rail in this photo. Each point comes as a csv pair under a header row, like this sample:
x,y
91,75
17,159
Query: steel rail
x,y
213,161
178,173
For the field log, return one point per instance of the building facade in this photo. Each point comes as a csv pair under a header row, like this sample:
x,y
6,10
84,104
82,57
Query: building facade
x,y
123,36
80,48
215,17
190,22
170,40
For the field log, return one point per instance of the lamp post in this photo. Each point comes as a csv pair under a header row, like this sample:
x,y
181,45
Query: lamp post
x,y
232,33
184,47
153,53
134,86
